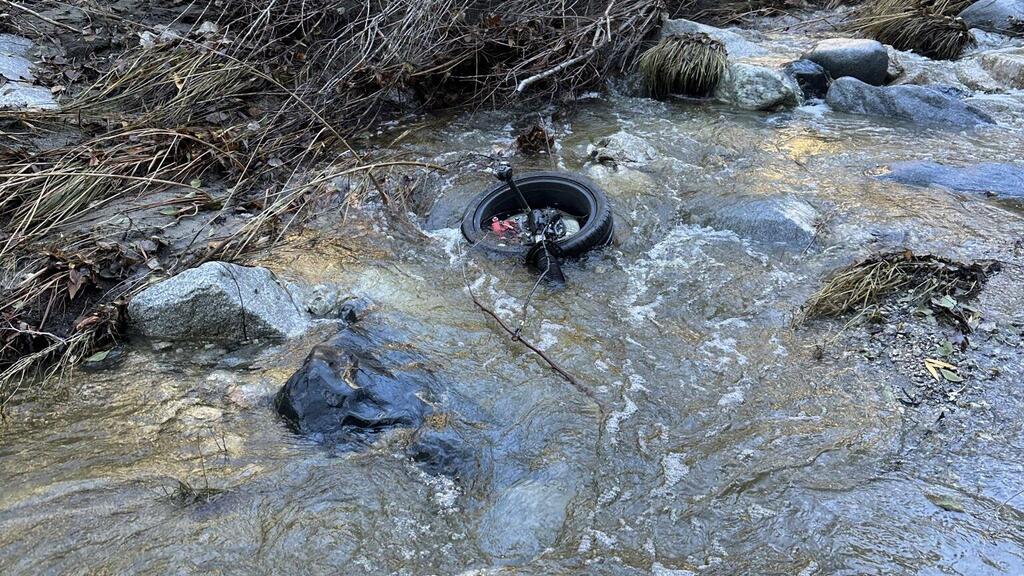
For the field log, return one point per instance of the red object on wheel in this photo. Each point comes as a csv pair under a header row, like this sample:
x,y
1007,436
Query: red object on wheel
x,y
503,227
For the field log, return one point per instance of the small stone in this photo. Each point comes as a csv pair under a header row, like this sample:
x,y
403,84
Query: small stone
x,y
623,148
810,76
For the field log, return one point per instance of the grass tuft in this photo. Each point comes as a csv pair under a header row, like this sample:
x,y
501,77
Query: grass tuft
x,y
928,27
689,64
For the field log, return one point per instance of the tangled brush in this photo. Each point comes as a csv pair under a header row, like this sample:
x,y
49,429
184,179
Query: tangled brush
x,y
928,27
690,64
861,286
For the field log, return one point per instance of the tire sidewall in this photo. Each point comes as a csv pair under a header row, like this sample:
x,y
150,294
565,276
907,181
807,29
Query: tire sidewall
x,y
582,241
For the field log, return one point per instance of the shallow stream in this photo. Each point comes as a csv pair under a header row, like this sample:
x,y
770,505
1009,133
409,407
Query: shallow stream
x,y
718,442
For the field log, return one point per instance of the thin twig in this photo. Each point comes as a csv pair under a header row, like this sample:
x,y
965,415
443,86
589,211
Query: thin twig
x,y
518,338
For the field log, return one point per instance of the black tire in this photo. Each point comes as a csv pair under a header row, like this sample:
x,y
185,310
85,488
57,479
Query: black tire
x,y
569,193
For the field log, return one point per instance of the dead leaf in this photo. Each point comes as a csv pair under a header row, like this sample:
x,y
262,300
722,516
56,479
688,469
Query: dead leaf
x,y
933,366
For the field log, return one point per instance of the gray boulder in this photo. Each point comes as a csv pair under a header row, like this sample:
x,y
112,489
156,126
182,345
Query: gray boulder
x,y
988,178
218,302
788,221
1003,16
865,60
735,44
754,87
906,102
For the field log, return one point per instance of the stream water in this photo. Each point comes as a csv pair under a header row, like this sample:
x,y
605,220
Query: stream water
x,y
718,443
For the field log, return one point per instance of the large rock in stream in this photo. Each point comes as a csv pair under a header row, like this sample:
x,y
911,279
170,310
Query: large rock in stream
x,y
905,102
218,302
1003,16
785,221
987,178
752,87
865,60
355,386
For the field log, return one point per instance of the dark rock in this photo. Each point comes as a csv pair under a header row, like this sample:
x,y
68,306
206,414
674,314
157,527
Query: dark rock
x,y
906,102
989,178
865,60
444,452
353,387
1003,16
812,78
355,309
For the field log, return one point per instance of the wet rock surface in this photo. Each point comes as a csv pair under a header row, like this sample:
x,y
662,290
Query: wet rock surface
x,y
17,91
752,87
622,148
810,76
354,387
1006,67
736,44
1003,16
985,178
920,104
728,440
865,60
218,302
787,221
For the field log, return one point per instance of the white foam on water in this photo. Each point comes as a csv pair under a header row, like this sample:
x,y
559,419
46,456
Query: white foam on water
x,y
658,570
674,468
449,239
673,255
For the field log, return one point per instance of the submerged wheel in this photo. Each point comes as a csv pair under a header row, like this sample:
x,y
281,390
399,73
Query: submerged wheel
x,y
567,193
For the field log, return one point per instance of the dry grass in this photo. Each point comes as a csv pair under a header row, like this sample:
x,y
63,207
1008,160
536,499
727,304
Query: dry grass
x,y
264,103
861,286
929,27
690,64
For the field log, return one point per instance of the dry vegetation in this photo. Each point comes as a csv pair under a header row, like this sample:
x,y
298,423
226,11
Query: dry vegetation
x,y
861,287
690,64
262,99
929,27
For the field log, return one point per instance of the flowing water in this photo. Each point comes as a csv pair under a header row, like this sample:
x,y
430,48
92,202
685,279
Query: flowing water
x,y
717,441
